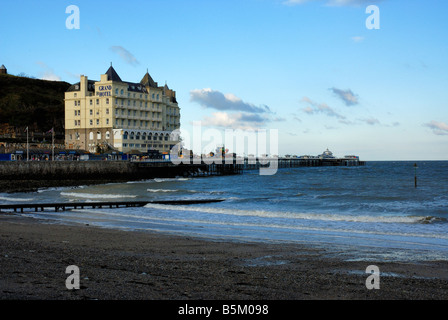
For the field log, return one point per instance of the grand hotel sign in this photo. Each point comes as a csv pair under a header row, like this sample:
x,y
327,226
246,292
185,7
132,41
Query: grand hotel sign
x,y
104,91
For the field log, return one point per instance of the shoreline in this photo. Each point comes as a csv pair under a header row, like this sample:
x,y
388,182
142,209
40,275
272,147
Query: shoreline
x,y
137,265
26,186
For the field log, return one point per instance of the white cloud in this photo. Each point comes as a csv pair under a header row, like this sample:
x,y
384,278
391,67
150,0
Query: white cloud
x,y
371,121
438,128
125,55
238,120
357,39
347,96
315,107
47,73
209,98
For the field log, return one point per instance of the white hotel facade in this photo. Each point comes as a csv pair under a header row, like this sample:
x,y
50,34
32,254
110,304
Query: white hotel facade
x,y
120,116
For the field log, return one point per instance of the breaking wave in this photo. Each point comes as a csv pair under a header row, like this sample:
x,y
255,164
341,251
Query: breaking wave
x,y
96,196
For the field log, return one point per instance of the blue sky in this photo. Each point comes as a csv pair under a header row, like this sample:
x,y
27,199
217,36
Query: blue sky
x,y
310,69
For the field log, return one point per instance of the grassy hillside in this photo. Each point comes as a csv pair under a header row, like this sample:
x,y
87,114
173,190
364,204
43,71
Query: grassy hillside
x,y
38,104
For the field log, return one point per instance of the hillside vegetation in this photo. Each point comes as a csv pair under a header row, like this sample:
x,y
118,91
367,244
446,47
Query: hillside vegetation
x,y
37,104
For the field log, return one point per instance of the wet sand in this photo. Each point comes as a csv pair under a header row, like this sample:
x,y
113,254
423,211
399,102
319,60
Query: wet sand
x,y
131,265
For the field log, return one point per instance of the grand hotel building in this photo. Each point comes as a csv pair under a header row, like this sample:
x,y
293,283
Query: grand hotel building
x,y
122,116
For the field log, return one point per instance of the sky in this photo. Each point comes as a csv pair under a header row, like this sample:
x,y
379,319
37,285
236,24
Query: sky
x,y
318,73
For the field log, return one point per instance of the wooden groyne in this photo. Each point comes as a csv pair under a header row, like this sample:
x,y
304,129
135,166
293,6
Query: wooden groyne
x,y
36,207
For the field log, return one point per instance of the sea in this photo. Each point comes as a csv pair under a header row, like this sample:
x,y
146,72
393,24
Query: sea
x,y
372,212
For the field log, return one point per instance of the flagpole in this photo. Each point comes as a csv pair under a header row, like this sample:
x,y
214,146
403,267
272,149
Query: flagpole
x,y
27,146
52,138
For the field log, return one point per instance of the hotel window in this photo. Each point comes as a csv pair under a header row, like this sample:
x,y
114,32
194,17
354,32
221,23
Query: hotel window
x,y
76,103
76,95
116,91
107,111
107,100
97,101
91,122
97,122
121,92
91,102
91,135
107,121
129,102
76,123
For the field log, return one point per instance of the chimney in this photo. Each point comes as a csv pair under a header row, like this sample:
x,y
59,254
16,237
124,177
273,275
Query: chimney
x,y
83,84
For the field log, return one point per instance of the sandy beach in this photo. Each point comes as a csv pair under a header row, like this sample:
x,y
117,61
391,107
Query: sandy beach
x,y
130,265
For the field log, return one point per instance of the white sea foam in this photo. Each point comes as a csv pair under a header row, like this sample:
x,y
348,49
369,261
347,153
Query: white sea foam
x,y
145,219
303,216
96,196
15,199
162,190
170,179
40,190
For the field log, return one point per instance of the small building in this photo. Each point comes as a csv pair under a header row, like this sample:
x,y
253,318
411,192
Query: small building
x,y
3,69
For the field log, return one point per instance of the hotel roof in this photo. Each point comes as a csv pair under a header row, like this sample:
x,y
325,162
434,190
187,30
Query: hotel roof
x,y
112,75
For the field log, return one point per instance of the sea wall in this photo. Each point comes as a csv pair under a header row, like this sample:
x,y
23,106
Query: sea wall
x,y
88,170
30,175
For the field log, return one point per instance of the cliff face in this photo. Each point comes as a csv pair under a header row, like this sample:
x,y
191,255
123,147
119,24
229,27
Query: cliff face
x,y
33,103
